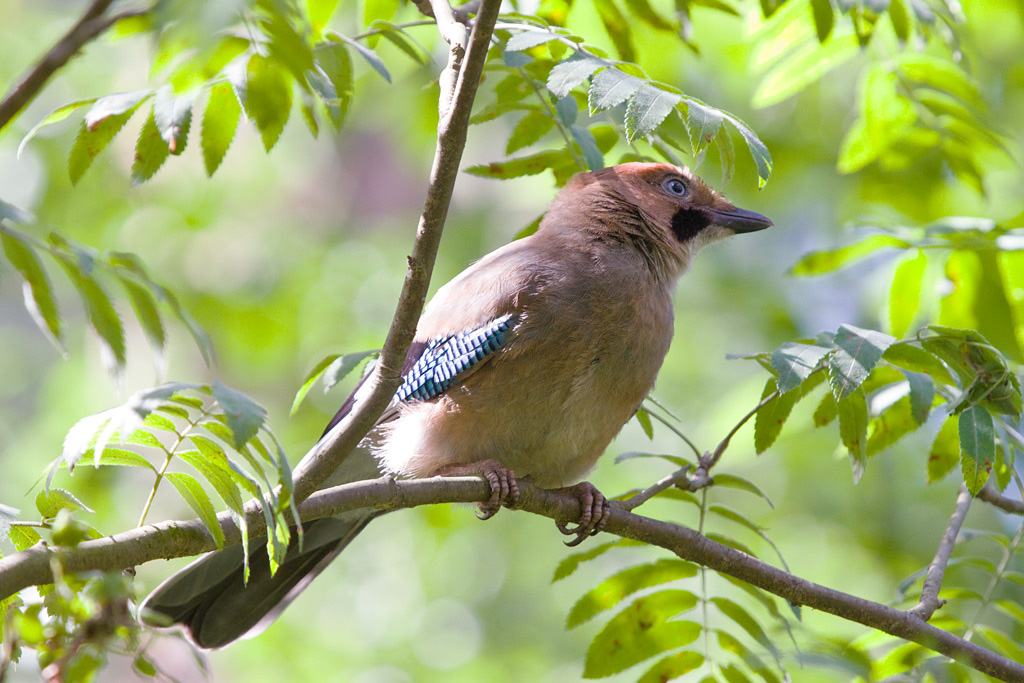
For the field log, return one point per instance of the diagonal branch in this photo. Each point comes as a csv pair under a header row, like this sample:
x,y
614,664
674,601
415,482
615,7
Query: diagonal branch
x,y
993,497
92,24
178,539
930,602
326,455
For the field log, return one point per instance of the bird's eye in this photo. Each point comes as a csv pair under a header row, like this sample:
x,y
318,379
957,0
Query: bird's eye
x,y
675,186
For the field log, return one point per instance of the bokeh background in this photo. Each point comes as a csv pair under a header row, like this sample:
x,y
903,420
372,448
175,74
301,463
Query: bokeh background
x,y
287,256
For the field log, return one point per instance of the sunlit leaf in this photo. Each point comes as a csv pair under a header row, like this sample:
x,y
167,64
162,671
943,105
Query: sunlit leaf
x,y
977,446
853,430
611,88
369,55
614,589
770,418
193,493
50,501
268,98
39,298
893,424
905,292
173,118
56,116
703,123
617,26
917,359
523,166
745,621
529,130
795,362
641,631
922,395
820,262
824,18
335,63
220,121
672,667
102,122
734,482
150,151
571,563
808,65
856,354
647,109
529,38
244,416
567,75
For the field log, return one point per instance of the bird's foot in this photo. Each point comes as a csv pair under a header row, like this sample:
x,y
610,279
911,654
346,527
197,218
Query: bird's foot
x,y
593,516
504,489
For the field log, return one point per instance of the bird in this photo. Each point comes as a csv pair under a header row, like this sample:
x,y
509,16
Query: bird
x,y
526,364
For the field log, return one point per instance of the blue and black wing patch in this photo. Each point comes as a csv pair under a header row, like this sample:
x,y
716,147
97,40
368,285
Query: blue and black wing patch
x,y
446,358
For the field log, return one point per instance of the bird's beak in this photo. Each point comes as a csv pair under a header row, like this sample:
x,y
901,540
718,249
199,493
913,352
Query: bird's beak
x,y
740,220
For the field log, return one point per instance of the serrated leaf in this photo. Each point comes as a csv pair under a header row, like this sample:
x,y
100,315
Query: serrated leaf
x,y
567,75
23,537
39,298
56,116
853,430
795,362
672,667
50,501
703,123
856,354
150,152
335,63
905,292
119,457
220,121
977,446
529,130
820,262
893,424
218,475
243,415
268,98
647,108
286,45
152,325
922,395
772,415
571,563
173,118
758,150
641,631
614,589
611,88
193,493
102,122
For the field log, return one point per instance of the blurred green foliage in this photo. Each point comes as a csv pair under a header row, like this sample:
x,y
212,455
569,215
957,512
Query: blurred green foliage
x,y
900,118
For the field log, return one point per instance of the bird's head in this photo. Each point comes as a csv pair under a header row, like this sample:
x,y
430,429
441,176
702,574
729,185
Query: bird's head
x,y
666,211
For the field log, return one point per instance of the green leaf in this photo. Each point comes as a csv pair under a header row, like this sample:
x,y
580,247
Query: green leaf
x,y
826,411
567,75
611,88
977,446
523,166
342,366
571,563
220,121
268,98
734,482
905,292
922,395
703,122
795,362
940,74
758,150
244,416
732,644
173,118
529,130
51,501
807,65
23,537
645,422
617,26
588,145
403,41
743,619
193,493
641,631
647,14
369,55
672,667
119,457
647,109
900,19
526,39
823,18
286,45
726,155
856,354
311,379
217,473
102,122
853,430
772,415
820,262
39,299
916,359
614,589
150,151
896,422
146,311
56,116
14,214
335,63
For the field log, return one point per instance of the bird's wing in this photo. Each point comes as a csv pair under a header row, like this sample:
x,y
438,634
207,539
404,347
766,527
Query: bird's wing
x,y
435,365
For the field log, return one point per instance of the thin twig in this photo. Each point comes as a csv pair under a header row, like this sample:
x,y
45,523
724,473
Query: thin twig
x,y
330,451
930,602
642,497
993,497
90,26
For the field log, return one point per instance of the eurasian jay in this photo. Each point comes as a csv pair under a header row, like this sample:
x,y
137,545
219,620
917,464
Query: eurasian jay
x,y
528,363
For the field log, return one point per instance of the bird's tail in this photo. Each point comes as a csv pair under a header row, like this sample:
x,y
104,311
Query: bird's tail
x,y
210,597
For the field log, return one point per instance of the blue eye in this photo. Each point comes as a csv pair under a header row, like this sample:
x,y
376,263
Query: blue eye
x,y
675,186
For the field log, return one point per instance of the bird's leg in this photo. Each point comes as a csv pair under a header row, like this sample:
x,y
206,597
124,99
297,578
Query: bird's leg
x,y
593,516
504,489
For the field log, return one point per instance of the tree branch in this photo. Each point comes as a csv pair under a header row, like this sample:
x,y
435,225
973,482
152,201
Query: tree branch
x,y
930,602
89,27
990,495
178,539
328,453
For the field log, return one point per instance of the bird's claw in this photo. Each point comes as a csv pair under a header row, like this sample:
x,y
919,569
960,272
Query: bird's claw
x,y
504,488
594,513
